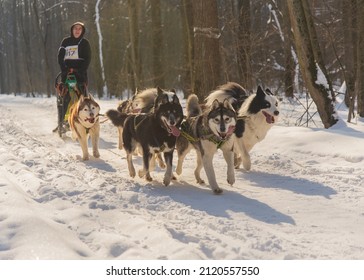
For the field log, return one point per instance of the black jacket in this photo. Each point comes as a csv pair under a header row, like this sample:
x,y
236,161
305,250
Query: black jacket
x,y
75,53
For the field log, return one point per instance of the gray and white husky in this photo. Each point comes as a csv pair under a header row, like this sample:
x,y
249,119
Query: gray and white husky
x,y
207,132
257,114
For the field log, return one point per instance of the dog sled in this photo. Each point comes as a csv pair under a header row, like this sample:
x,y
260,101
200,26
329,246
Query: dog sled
x,y
68,94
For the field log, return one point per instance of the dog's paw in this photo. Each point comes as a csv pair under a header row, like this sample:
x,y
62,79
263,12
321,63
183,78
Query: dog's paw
x,y
200,181
96,154
231,179
247,164
217,191
179,169
148,177
132,174
166,181
198,178
141,173
86,157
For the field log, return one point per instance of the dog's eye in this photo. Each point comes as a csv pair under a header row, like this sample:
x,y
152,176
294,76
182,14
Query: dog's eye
x,y
216,120
227,120
267,105
85,109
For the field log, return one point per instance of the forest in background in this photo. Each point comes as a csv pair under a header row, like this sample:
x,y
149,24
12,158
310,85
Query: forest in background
x,y
191,45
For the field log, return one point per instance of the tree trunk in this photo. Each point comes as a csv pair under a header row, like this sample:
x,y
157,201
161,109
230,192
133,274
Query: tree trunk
x,y
206,47
309,57
47,77
289,62
158,43
244,43
24,22
350,54
134,43
359,87
187,29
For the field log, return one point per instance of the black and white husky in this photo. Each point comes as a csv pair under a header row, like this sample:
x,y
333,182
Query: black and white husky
x,y
141,102
156,132
257,114
207,132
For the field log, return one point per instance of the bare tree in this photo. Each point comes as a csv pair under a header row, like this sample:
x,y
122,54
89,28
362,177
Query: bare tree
x,y
289,61
206,47
158,43
350,15
134,43
43,33
187,29
359,86
244,43
310,60
24,23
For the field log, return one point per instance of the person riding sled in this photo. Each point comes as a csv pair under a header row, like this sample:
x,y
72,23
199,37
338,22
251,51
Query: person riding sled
x,y
74,57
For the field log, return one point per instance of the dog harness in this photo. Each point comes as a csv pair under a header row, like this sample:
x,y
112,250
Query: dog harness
x,y
206,135
86,128
139,118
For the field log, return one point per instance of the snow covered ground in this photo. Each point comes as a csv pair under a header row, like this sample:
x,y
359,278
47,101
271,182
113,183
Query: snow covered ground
x,y
303,198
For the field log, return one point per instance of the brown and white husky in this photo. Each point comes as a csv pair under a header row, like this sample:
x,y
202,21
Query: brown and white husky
x,y
84,122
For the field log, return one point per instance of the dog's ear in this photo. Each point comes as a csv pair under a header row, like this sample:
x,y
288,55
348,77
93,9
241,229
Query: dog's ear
x,y
80,101
91,96
164,99
159,91
268,91
228,105
260,91
175,99
215,104
161,98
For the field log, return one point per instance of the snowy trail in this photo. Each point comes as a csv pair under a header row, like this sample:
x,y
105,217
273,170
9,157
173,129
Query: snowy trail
x,y
302,199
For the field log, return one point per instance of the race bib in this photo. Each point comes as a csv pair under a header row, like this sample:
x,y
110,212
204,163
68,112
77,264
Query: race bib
x,y
71,52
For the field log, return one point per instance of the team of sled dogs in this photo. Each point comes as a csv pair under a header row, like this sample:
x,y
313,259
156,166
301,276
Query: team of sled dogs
x,y
152,123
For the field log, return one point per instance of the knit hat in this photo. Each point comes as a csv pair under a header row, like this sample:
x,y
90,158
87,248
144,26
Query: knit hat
x,y
83,28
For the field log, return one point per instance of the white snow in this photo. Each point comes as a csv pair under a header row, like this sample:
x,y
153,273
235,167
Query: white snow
x,y
303,198
321,79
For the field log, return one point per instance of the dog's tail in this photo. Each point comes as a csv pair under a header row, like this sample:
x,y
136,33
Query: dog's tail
x,y
117,118
193,107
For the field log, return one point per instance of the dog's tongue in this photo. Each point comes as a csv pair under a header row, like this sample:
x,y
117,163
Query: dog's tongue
x,y
175,131
91,120
231,130
268,118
